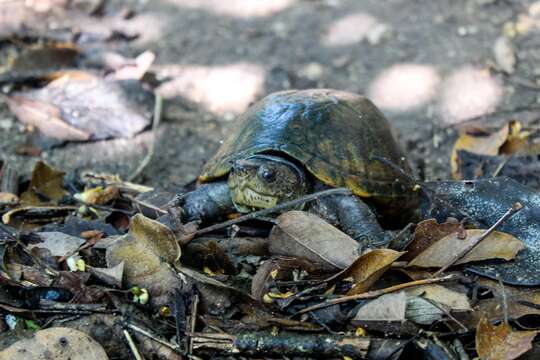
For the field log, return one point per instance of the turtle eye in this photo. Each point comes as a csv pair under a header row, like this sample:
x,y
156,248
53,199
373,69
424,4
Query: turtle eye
x,y
267,175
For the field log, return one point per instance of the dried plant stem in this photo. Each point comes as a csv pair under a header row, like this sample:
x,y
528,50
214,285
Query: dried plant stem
x,y
153,337
283,206
132,346
376,293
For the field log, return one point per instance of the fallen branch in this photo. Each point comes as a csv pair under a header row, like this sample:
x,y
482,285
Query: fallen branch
x,y
293,344
283,206
376,293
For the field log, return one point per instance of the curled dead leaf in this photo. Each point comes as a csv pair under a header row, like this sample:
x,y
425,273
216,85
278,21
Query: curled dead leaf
x,y
501,342
305,235
46,186
497,245
428,232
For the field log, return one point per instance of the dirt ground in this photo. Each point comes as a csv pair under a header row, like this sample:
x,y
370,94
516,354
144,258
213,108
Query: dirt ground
x,y
429,65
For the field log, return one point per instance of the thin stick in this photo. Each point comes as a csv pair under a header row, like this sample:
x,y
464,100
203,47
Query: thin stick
x,y
145,204
153,337
132,346
514,209
283,206
377,293
158,106
193,322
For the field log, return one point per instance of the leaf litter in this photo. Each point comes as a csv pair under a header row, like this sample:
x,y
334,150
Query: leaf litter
x,y
98,262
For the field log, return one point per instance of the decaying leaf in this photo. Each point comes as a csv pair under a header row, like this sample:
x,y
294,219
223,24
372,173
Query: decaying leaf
x,y
36,61
501,342
71,108
422,311
511,138
37,214
304,235
59,244
147,252
56,343
46,186
98,195
497,245
453,300
428,232
482,143
111,276
275,269
368,268
389,307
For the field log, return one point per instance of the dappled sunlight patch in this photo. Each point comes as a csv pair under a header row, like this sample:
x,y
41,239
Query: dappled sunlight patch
x,y
468,93
220,89
236,8
349,29
404,86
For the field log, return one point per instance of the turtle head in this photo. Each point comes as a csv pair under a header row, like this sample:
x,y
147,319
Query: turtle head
x,y
263,181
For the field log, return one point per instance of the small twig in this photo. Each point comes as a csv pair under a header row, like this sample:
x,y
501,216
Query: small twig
x,y
283,206
447,313
504,301
158,106
376,293
193,321
153,337
145,204
132,346
514,209
502,165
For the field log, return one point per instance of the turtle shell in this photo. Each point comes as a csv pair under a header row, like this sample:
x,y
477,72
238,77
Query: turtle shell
x,y
341,138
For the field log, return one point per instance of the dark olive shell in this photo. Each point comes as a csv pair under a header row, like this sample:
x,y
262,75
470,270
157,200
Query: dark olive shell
x,y
341,138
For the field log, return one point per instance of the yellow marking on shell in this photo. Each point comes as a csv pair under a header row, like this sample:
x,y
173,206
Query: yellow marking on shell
x,y
356,187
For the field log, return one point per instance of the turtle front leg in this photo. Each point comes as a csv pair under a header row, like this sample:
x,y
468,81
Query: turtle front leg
x,y
355,219
207,202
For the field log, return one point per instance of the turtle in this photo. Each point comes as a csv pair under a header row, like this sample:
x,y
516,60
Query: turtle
x,y
295,142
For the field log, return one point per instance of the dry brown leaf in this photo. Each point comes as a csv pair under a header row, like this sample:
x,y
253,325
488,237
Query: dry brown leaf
x,y
98,195
56,343
479,144
519,304
147,252
45,117
389,307
501,342
511,138
37,60
111,276
454,300
368,268
304,235
46,186
42,214
428,232
8,199
497,245
78,109
58,243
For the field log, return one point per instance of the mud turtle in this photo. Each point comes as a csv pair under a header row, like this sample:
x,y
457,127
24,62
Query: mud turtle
x,y
293,142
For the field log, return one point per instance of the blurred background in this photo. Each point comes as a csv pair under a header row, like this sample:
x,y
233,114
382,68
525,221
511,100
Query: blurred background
x,y
433,68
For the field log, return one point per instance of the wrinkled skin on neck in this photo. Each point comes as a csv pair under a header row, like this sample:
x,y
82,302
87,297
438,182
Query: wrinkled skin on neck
x,y
263,181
